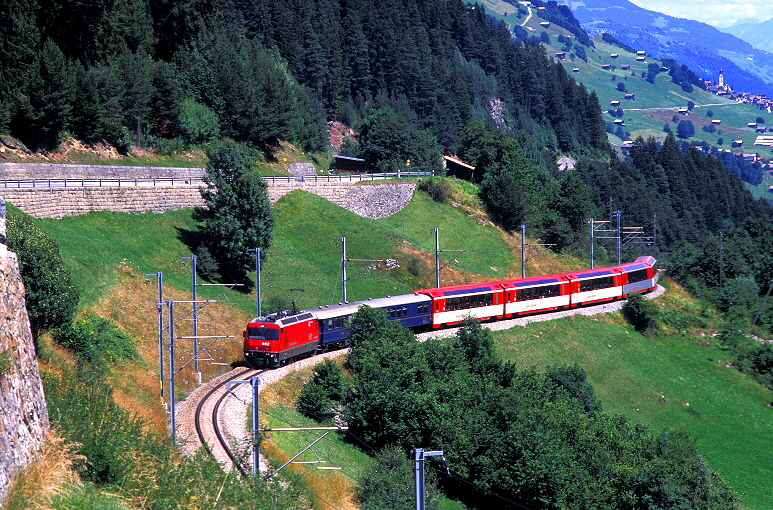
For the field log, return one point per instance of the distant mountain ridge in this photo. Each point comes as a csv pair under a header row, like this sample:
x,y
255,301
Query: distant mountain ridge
x,y
686,41
759,35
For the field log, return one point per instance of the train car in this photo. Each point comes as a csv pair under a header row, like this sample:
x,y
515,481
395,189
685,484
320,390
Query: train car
x,y
276,339
412,311
641,275
451,305
595,285
537,294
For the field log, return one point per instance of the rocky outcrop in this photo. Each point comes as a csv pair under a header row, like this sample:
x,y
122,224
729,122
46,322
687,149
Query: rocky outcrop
x,y
23,412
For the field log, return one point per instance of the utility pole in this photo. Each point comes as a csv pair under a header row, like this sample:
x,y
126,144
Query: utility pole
x,y
256,251
418,470
160,307
523,249
342,240
590,224
438,251
343,268
170,306
616,215
195,308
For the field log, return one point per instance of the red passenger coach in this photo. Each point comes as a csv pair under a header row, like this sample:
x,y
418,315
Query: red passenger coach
x,y
276,339
531,295
596,285
641,275
451,305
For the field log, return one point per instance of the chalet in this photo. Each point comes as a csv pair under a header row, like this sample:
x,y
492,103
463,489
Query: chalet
x,y
664,69
641,52
619,122
716,121
605,66
615,103
566,164
751,158
770,189
625,67
641,59
544,24
683,110
576,70
560,55
760,129
613,55
347,164
630,97
458,168
541,8
764,141
737,143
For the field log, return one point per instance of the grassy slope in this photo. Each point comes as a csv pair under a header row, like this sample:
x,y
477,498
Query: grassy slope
x,y
727,412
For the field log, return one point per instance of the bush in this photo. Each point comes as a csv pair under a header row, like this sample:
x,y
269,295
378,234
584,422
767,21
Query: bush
x,y
320,395
439,189
639,312
51,298
96,340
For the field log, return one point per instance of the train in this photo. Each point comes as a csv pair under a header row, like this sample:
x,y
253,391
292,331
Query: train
x,y
276,339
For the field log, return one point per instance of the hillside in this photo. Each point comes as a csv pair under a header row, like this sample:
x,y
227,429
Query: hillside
x,y
683,40
623,379
758,35
655,103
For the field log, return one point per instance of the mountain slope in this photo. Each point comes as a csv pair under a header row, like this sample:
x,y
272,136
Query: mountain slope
x,y
759,35
686,41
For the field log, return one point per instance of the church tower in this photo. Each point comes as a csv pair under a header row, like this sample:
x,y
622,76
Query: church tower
x,y
721,79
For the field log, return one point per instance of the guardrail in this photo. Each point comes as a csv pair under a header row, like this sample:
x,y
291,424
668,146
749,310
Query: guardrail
x,y
96,183
177,181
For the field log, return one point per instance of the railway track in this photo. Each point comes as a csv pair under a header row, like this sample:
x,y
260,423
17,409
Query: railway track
x,y
206,418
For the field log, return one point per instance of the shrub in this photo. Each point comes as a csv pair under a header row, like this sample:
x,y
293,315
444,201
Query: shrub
x,y
325,389
439,189
96,340
51,298
639,312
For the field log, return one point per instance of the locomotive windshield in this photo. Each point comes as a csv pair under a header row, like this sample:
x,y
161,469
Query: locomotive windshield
x,y
262,333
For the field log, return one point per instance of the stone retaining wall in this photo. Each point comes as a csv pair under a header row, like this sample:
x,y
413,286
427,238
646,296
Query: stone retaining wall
x,y
63,202
371,200
23,412
56,171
